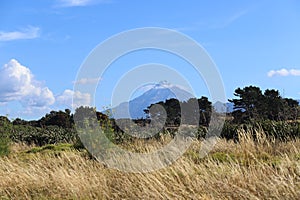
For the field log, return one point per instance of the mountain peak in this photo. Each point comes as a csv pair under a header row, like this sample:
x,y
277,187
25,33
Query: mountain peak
x,y
162,84
161,91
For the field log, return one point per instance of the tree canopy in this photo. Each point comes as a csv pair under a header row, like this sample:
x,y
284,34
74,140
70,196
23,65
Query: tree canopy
x,y
193,112
252,104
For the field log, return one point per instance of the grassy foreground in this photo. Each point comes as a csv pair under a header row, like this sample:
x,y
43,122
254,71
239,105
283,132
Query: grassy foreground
x,y
265,169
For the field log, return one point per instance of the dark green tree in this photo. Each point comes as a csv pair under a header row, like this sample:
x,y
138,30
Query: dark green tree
x,y
291,109
58,118
169,109
205,107
193,112
249,102
273,105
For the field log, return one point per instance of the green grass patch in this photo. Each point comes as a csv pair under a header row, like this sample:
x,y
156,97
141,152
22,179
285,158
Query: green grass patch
x,y
193,155
223,157
269,159
297,157
52,147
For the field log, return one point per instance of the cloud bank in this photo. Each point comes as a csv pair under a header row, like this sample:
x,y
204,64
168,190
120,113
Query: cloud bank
x,y
84,81
28,33
18,85
70,99
284,72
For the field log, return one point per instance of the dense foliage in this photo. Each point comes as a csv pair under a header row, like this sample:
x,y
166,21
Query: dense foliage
x,y
5,129
282,130
56,127
192,112
252,104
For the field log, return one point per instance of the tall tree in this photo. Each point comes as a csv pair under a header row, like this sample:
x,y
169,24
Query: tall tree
x,y
273,105
192,112
205,107
291,109
249,102
252,104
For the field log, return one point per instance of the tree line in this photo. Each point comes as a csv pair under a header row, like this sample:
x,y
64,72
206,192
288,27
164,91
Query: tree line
x,y
250,105
193,111
253,104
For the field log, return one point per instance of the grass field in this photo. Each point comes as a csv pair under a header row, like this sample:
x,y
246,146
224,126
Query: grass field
x,y
265,169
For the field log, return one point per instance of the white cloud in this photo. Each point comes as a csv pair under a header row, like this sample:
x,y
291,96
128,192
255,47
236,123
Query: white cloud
x,y
284,72
27,33
295,72
235,17
31,112
227,21
72,99
87,81
69,3
24,96
40,98
17,83
74,3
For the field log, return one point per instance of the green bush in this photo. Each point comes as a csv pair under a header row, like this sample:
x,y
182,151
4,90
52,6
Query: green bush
x,y
4,145
5,131
42,136
282,130
229,131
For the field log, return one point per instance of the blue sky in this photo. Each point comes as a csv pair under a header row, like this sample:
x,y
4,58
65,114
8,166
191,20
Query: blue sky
x,y
44,43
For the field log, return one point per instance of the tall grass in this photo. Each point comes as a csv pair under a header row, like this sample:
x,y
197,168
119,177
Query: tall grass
x,y
263,168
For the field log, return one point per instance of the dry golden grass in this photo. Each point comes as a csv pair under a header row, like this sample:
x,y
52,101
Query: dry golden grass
x,y
265,169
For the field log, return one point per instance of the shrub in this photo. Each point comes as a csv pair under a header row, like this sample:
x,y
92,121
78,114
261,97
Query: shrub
x,y
282,130
229,131
42,136
4,146
5,131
